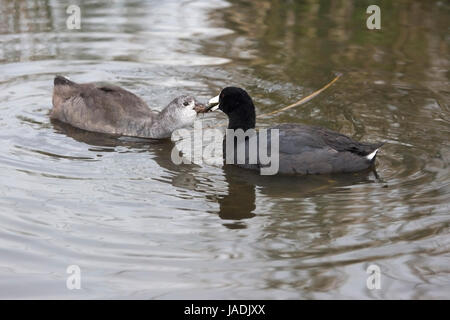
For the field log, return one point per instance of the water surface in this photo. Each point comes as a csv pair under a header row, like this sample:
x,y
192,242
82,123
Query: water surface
x,y
142,227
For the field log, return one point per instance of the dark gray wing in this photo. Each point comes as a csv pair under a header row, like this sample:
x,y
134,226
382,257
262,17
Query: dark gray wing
x,y
313,150
297,138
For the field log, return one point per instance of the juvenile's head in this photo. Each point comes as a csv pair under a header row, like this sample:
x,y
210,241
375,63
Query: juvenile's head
x,y
181,112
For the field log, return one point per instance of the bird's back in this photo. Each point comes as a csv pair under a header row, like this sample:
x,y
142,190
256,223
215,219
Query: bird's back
x,y
99,108
314,150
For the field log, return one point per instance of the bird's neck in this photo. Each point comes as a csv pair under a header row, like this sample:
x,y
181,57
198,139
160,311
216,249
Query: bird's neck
x,y
242,120
157,127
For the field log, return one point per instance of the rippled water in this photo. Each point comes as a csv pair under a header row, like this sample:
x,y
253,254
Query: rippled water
x,y
140,226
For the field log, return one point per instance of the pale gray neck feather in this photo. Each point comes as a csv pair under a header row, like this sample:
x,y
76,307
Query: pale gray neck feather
x,y
157,127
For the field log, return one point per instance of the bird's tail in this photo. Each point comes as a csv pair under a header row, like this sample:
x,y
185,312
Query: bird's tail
x,y
60,80
372,156
62,90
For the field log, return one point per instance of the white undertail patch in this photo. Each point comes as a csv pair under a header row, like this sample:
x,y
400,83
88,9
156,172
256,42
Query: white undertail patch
x,y
371,156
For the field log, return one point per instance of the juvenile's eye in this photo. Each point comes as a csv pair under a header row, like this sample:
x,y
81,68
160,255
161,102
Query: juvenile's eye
x,y
185,103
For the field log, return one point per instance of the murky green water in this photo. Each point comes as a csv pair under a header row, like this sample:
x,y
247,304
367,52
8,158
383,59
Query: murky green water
x,y
139,226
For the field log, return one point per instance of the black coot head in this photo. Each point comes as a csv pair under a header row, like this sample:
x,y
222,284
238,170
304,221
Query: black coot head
x,y
238,106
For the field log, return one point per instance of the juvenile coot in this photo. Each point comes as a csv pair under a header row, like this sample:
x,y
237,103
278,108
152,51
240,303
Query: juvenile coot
x,y
111,109
303,149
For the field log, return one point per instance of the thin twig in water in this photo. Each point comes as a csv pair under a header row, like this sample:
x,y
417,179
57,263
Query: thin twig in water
x,y
301,101
296,104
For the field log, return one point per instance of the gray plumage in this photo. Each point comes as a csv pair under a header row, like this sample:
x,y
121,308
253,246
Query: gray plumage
x,y
307,149
111,109
303,149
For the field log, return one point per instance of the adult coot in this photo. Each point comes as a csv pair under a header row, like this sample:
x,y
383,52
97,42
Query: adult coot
x,y
303,149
